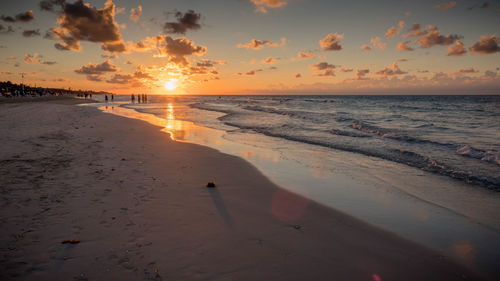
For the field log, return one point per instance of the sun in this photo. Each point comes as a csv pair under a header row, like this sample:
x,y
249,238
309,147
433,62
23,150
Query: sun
x,y
171,84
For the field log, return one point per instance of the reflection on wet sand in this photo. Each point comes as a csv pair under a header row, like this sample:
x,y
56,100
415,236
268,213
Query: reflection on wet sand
x,y
465,251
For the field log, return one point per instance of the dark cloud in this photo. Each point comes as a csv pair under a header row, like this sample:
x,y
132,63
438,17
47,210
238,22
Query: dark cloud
x,y
415,31
361,73
331,42
185,22
389,71
434,37
175,49
486,45
121,79
255,44
31,33
427,37
94,77
51,5
323,69
457,50
94,68
81,22
209,63
21,17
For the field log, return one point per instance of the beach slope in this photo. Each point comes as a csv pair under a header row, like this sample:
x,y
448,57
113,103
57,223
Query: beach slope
x,y
137,204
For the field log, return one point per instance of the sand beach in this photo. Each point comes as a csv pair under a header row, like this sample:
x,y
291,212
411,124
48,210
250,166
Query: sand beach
x,y
136,202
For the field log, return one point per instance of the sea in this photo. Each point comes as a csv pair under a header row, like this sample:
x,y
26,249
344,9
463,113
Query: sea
x,y
424,167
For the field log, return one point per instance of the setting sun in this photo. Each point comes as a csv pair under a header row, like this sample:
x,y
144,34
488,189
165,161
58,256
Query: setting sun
x,y
171,84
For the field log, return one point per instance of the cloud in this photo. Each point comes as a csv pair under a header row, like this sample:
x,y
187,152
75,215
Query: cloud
x,y
457,50
427,38
250,72
186,21
97,69
82,22
255,44
21,17
298,75
389,71
175,49
483,5
331,42
446,6
490,74
36,59
415,31
393,31
323,69
305,55
50,5
209,63
263,5
434,37
269,60
402,59
403,46
486,45
361,73
109,56
120,79
5,30
366,48
469,70
135,13
31,33
377,44
345,70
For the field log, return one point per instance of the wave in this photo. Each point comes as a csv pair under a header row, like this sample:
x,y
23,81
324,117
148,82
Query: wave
x,y
488,156
396,135
371,147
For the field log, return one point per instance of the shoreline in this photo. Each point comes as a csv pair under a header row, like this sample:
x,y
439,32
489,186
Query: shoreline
x,y
136,200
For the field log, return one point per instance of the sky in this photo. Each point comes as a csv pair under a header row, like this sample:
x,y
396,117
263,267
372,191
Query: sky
x,y
253,46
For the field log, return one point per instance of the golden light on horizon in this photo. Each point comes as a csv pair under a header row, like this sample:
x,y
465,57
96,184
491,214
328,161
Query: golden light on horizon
x,y
171,84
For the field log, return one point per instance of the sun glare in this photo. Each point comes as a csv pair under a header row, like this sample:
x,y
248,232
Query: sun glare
x,y
171,84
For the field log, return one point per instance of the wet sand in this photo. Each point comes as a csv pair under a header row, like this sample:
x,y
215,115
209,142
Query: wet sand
x,y
136,201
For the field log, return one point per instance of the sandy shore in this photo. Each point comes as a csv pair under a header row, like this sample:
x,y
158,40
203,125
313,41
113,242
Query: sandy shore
x,y
136,201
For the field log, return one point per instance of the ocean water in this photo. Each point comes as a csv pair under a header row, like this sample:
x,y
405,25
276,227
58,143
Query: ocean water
x,y
455,136
424,167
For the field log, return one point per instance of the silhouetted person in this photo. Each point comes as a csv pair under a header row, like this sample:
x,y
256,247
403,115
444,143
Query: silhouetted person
x,y
106,98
